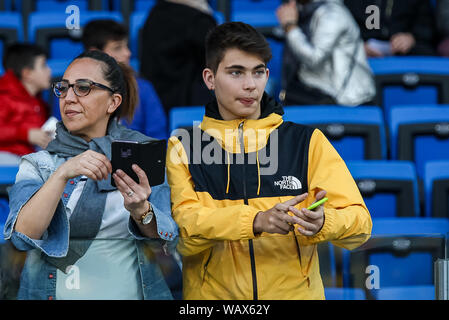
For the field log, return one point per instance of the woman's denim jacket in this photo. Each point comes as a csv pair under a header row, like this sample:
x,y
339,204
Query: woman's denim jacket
x,y
38,279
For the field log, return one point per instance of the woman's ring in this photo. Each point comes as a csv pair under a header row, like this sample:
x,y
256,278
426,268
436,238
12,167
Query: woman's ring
x,y
130,194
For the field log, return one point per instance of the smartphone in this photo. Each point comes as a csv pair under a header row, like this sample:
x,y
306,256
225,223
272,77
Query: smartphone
x,y
149,156
316,204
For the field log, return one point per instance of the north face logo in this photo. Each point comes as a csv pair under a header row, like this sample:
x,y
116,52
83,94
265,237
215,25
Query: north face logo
x,y
288,183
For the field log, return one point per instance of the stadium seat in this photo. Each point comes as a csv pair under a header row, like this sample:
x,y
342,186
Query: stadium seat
x,y
254,5
181,117
344,294
402,250
356,133
49,30
7,179
410,80
59,5
419,134
436,185
11,30
406,293
389,188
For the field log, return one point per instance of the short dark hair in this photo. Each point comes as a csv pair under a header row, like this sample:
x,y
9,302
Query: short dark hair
x,y
19,56
97,33
236,35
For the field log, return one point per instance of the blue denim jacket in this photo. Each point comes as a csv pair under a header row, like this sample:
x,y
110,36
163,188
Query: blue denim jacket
x,y
38,279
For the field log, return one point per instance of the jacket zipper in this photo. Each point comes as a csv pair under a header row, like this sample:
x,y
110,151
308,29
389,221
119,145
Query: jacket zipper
x,y
250,242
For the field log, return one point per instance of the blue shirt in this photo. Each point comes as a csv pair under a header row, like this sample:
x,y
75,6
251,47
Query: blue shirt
x,y
149,118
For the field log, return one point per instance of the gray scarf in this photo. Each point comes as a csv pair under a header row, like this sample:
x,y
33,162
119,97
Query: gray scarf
x,y
86,218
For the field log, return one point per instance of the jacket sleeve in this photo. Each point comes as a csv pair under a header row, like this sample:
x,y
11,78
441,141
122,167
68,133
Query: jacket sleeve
x,y
347,222
55,240
201,224
328,25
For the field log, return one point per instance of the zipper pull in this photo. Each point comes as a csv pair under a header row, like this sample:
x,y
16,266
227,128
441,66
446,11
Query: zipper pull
x,y
242,143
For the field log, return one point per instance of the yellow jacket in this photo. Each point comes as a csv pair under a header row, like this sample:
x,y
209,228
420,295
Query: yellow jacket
x,y
215,203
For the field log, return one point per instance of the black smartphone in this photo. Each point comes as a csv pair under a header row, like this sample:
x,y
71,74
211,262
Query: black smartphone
x,y
149,156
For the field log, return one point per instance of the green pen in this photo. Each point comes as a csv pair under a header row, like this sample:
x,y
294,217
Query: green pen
x,y
316,204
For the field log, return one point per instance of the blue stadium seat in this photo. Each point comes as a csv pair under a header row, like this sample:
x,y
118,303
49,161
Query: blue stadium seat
x,y
344,294
49,30
419,134
356,133
136,23
436,186
254,5
181,117
410,226
389,188
406,293
411,80
143,5
60,6
7,179
11,30
403,250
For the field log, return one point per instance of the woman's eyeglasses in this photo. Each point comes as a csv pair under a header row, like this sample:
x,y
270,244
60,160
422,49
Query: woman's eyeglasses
x,y
81,87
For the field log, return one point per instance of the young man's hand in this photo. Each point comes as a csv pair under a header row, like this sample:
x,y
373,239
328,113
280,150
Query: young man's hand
x,y
277,219
311,221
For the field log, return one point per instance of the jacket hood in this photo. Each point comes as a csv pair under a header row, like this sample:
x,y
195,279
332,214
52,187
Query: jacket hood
x,y
255,132
248,135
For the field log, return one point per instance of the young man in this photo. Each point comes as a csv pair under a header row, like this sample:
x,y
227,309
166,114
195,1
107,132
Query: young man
x,y
240,183
22,111
111,37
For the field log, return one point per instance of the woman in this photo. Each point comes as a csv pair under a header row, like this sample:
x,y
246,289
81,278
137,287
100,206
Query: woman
x,y
87,239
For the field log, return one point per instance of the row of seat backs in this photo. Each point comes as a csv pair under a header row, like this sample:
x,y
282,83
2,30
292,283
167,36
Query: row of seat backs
x,y
400,253
389,188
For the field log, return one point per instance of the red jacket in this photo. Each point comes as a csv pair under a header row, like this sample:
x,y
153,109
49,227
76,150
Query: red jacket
x,y
19,112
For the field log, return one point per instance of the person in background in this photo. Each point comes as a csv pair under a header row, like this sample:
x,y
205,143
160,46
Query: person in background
x,y
111,37
404,28
173,51
324,60
22,111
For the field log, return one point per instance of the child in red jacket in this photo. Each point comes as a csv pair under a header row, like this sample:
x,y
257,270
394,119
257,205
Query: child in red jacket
x,y
22,111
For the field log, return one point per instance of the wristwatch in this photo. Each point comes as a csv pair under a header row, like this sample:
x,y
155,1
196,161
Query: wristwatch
x,y
147,216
